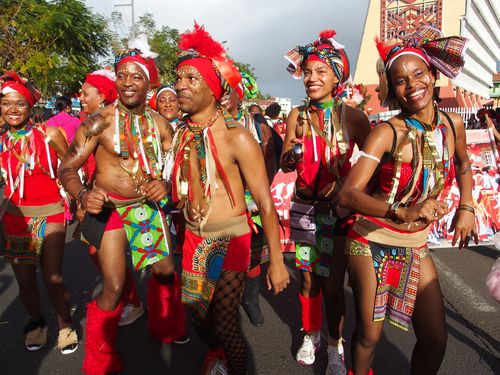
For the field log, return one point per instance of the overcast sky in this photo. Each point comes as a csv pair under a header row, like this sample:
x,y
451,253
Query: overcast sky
x,y
258,32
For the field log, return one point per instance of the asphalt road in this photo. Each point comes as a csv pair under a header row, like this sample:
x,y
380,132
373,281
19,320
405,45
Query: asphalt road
x,y
472,316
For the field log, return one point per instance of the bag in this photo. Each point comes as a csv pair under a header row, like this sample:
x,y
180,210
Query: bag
x,y
302,223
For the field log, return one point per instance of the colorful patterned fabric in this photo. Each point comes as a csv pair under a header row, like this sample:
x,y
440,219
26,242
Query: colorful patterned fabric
x,y
317,258
146,228
445,54
325,49
397,270
23,236
250,88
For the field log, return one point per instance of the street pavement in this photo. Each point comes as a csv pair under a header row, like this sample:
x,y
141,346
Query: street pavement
x,y
472,316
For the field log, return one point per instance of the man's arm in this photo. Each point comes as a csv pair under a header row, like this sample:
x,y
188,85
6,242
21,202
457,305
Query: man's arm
x,y
249,157
85,142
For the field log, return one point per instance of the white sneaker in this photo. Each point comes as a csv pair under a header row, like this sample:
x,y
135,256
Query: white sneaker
x,y
130,314
310,346
336,364
219,368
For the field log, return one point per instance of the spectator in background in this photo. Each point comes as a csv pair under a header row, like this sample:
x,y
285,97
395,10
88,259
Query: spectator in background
x,y
254,108
63,119
272,113
472,122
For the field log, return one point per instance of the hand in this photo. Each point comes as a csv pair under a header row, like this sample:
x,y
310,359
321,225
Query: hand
x,y
93,200
154,190
80,214
277,277
429,210
464,226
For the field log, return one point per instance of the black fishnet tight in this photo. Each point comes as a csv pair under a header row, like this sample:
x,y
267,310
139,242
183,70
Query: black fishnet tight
x,y
221,325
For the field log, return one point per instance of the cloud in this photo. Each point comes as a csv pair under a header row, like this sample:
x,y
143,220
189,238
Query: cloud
x,y
259,32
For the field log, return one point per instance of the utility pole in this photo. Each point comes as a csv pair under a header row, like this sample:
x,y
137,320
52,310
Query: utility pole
x,y
131,5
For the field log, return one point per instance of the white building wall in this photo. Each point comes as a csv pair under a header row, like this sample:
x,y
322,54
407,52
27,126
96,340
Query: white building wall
x,y
286,105
482,26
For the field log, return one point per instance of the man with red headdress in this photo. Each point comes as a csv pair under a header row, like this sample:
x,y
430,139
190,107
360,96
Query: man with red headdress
x,y
216,159
123,209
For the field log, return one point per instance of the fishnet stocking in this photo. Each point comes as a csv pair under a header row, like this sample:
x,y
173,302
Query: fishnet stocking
x,y
221,325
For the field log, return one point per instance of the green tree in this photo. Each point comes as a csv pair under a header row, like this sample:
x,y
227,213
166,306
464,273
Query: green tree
x,y
163,41
53,42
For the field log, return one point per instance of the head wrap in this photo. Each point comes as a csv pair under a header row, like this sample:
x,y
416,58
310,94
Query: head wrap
x,y
201,51
325,49
139,52
247,86
11,82
153,102
104,81
444,54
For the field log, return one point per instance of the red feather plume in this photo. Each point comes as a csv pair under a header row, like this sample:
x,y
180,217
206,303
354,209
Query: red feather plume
x,y
202,42
383,48
13,77
329,33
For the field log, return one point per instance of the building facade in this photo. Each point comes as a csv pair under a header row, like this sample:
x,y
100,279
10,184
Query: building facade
x,y
477,20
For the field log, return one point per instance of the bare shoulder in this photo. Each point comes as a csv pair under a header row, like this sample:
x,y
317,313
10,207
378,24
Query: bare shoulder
x,y
162,123
353,114
456,120
97,123
294,113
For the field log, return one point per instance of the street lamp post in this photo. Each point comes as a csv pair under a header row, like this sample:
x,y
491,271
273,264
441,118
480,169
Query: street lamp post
x,y
131,5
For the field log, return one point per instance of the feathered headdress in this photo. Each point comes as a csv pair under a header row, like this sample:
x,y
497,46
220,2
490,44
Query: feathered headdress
x,y
140,53
325,49
198,45
12,82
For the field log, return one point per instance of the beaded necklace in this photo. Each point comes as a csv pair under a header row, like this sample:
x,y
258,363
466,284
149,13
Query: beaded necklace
x,y
137,136
208,159
331,130
430,162
27,157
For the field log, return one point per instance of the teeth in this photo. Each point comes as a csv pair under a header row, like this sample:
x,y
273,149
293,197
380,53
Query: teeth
x,y
416,93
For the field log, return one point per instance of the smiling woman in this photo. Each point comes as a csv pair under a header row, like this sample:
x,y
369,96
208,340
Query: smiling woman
x,y
413,157
319,142
33,224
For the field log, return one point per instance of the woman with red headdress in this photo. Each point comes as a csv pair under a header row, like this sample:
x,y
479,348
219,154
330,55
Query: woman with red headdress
x,y
98,91
33,221
415,155
320,138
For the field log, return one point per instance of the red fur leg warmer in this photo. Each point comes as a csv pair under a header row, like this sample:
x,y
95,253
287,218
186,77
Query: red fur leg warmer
x,y
100,352
312,312
166,314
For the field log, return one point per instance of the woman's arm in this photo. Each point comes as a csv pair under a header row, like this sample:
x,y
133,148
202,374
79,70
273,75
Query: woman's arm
x,y
58,141
463,223
290,140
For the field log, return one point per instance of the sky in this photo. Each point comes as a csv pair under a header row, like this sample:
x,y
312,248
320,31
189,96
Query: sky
x,y
258,32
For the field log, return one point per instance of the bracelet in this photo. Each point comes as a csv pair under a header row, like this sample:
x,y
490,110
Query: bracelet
x,y
393,213
80,194
466,207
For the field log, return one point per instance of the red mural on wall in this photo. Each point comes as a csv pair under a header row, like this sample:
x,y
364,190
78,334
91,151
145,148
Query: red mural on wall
x,y
399,18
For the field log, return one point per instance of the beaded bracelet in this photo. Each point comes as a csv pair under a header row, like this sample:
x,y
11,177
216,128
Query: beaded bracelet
x,y
80,194
466,207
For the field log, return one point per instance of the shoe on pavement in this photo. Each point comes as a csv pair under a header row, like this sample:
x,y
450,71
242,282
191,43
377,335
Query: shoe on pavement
x,y
336,364
67,341
130,314
35,334
310,346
